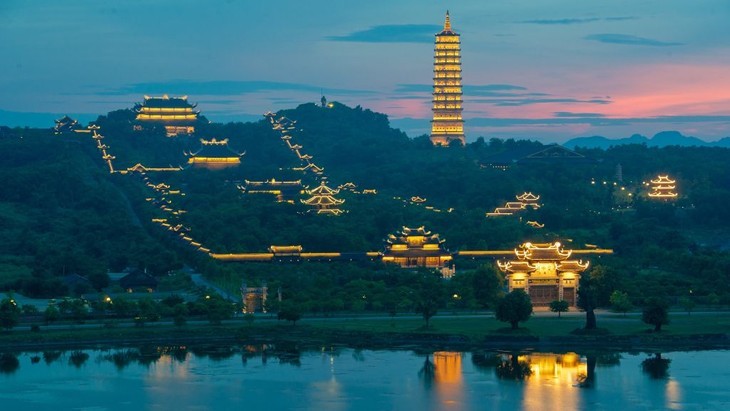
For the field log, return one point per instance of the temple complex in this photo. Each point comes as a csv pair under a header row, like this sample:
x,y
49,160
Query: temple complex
x,y
447,125
416,247
545,272
524,201
322,200
285,191
176,114
663,188
214,154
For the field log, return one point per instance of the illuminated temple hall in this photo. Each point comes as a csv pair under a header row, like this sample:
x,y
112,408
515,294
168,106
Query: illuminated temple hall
x,y
663,188
545,272
175,113
214,154
322,200
447,125
416,247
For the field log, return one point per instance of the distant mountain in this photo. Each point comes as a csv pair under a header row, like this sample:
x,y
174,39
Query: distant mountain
x,y
661,139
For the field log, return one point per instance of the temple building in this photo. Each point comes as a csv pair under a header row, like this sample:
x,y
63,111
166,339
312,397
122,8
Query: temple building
x,y
322,200
663,188
416,247
524,201
176,114
65,124
545,272
284,191
214,154
447,125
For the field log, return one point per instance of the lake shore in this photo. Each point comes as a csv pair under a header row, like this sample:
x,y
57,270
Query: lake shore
x,y
462,333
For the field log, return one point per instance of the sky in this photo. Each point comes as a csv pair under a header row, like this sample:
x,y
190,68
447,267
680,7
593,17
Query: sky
x,y
544,70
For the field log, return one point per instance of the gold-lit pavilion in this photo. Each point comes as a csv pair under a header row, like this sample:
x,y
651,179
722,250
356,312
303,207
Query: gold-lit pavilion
x,y
663,188
175,113
214,154
416,247
322,200
545,272
447,125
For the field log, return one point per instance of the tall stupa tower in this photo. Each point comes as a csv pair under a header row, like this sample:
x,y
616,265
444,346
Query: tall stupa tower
x,y
447,125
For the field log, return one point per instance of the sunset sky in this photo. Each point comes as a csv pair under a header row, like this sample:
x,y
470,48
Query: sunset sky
x,y
545,70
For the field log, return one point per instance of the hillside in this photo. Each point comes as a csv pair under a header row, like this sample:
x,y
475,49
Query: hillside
x,y
63,213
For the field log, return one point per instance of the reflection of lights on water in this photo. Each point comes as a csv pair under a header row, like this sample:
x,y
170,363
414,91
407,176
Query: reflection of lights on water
x,y
673,395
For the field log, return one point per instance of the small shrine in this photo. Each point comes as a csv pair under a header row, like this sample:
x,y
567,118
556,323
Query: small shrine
x,y
65,125
323,200
663,188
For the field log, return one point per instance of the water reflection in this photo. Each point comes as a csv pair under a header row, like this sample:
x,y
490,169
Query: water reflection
x,y
513,367
78,358
330,378
656,367
9,363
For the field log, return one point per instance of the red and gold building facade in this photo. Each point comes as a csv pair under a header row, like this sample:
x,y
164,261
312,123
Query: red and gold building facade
x,y
545,272
447,125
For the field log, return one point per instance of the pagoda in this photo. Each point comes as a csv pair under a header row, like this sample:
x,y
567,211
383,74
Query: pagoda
x,y
175,113
322,200
663,188
416,247
214,154
447,125
65,124
545,272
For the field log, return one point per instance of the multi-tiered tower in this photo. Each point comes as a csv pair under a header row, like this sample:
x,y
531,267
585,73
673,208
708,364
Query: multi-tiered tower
x,y
447,125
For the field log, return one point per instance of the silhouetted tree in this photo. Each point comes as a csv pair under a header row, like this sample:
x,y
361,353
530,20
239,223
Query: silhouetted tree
x,y
559,306
656,313
514,308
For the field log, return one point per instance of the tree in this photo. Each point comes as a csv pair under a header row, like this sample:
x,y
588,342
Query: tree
x,y
218,309
514,308
429,296
587,300
180,313
487,283
620,302
656,313
687,304
9,312
289,312
51,314
559,306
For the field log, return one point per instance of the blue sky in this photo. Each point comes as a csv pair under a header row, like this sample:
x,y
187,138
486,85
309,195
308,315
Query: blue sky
x,y
548,70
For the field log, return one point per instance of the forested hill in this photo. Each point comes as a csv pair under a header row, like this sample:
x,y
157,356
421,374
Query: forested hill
x,y
64,213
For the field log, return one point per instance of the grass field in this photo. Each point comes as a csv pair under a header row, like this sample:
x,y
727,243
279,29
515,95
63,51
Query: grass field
x,y
465,329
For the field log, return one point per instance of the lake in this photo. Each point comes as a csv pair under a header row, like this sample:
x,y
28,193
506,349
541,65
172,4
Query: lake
x,y
283,377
